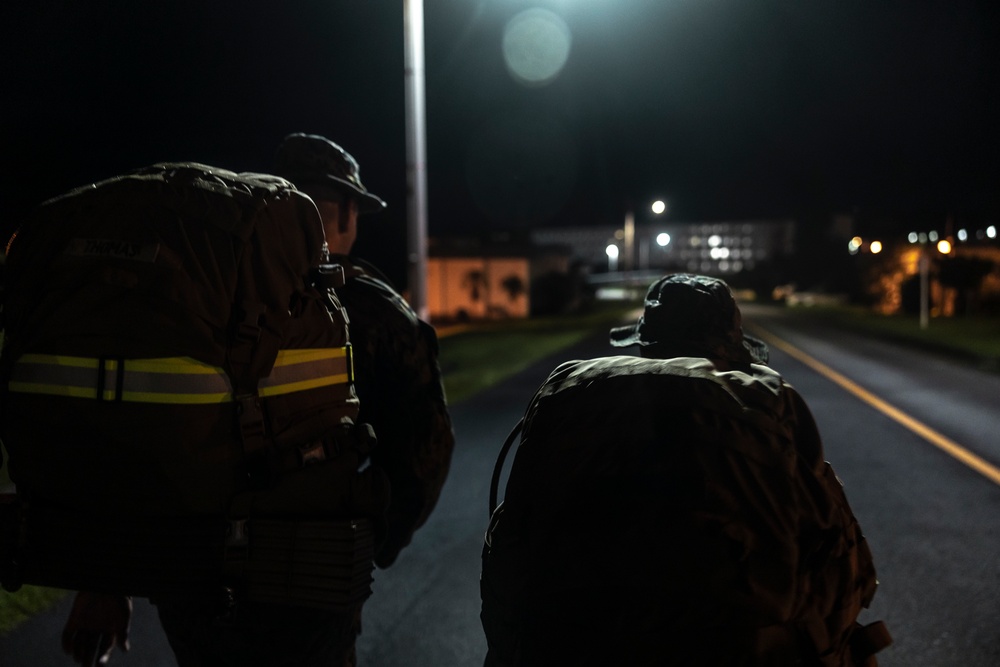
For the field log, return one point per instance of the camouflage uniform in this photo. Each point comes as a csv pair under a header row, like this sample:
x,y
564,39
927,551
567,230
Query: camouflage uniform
x,y
398,380
675,509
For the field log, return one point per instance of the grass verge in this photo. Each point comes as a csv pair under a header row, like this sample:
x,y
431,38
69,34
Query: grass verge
x,y
486,354
975,339
16,608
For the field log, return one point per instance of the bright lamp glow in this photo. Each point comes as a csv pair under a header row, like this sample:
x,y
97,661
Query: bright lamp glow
x,y
944,246
659,207
612,251
662,239
536,45
875,247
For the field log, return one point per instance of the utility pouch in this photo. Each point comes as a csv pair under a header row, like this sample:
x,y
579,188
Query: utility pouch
x,y
326,564
322,563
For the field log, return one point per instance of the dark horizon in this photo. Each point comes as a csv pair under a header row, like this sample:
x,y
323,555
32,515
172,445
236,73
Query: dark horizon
x,y
727,110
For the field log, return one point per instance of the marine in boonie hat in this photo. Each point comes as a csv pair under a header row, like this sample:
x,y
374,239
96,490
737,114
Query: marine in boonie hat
x,y
323,170
688,315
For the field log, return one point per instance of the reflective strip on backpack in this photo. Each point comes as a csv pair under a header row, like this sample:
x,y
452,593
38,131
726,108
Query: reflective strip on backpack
x,y
179,380
298,370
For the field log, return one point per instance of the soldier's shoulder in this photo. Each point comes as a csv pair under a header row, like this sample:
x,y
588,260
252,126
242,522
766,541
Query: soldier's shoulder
x,y
368,294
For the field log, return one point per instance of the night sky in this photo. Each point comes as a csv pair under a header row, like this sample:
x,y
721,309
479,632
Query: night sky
x,y
728,109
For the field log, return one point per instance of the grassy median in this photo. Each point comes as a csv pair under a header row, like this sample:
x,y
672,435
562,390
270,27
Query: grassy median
x,y
477,357
975,339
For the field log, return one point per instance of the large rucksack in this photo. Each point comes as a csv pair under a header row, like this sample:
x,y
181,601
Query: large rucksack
x,y
664,512
177,398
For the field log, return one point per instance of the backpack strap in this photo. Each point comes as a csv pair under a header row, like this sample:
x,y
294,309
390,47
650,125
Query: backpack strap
x,y
498,468
355,267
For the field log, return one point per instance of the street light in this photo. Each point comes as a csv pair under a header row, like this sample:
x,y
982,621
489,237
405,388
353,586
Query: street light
x,y
416,154
612,253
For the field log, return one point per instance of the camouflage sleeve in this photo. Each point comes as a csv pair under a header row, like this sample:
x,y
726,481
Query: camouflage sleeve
x,y
398,379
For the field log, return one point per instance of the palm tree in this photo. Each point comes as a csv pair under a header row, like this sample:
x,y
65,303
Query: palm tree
x,y
514,286
478,285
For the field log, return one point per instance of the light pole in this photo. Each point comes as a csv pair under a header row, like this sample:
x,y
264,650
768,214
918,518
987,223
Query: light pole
x,y
658,207
416,154
922,265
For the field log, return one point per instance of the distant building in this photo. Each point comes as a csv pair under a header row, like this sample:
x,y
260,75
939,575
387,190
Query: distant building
x,y
716,248
492,279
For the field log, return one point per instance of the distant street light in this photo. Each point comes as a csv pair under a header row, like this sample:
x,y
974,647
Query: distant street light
x,y
658,207
612,252
662,239
875,247
944,246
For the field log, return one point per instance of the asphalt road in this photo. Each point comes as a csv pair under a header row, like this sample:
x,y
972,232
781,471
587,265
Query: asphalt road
x,y
931,519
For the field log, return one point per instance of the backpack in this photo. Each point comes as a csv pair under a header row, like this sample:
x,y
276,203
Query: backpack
x,y
176,396
666,512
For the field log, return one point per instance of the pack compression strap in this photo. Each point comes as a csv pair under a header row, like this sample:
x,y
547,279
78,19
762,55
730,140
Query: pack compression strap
x,y
178,380
498,468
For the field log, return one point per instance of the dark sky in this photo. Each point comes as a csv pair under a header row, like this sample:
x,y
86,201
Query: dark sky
x,y
728,109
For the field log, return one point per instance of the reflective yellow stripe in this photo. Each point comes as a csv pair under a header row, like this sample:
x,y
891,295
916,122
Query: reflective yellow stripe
x,y
298,370
175,380
185,365
302,385
51,389
155,397
287,357
59,360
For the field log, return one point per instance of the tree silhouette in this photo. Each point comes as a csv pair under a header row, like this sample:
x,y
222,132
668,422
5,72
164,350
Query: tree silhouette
x,y
965,275
513,286
477,283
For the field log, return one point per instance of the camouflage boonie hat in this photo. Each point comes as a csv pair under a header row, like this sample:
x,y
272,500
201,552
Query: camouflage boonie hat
x,y
691,315
322,169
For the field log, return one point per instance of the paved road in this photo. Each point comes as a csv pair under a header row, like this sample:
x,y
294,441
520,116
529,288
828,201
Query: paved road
x,y
931,520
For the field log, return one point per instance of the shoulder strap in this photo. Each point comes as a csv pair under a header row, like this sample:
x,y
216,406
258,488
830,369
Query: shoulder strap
x,y
355,266
498,468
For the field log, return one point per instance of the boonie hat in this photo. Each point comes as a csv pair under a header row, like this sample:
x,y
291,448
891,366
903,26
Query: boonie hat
x,y
691,315
321,168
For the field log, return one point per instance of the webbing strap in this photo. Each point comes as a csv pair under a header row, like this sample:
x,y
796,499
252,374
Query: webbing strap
x,y
172,379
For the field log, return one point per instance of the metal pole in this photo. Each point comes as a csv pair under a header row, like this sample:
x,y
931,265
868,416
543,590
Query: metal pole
x,y
629,240
416,154
924,297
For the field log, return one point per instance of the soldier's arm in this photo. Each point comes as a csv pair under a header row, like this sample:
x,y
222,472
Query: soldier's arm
x,y
97,623
416,451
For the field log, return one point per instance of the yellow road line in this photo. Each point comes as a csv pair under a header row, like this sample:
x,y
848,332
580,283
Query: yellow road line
x,y
950,447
